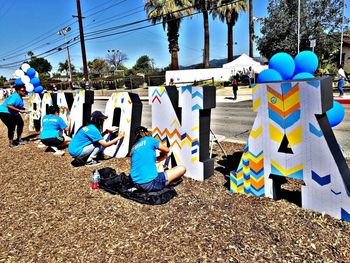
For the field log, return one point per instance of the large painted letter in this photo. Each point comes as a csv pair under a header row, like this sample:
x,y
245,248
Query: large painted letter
x,y
181,118
291,137
123,110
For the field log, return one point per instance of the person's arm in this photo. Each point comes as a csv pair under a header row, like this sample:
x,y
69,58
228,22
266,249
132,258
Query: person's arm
x,y
68,125
11,107
111,142
163,152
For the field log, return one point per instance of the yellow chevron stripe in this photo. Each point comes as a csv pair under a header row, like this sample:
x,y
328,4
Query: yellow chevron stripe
x,y
291,101
161,89
256,133
187,142
256,159
246,169
175,122
194,159
255,88
256,104
279,102
246,184
296,136
275,134
195,128
287,172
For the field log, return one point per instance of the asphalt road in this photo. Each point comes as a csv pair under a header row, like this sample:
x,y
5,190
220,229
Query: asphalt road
x,y
234,121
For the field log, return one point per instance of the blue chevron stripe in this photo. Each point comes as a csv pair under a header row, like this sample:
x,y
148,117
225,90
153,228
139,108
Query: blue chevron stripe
x,y
195,143
246,148
314,83
260,192
188,88
257,175
287,122
334,192
183,136
156,91
315,131
196,107
345,215
197,94
256,156
247,190
297,175
194,151
324,180
246,177
286,87
245,162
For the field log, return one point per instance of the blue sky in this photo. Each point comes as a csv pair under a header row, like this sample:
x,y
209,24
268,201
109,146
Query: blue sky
x,y
32,25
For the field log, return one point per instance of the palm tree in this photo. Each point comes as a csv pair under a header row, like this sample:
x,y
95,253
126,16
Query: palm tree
x,y
229,12
170,13
203,6
251,29
65,67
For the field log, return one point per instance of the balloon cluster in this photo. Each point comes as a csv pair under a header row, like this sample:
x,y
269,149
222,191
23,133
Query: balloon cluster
x,y
28,77
283,67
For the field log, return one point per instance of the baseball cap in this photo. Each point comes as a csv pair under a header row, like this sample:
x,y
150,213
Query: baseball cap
x,y
98,115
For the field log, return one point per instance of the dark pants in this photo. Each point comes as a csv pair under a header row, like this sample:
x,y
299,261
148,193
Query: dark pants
x,y
11,121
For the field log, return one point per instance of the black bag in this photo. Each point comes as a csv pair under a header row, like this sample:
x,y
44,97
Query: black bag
x,y
121,184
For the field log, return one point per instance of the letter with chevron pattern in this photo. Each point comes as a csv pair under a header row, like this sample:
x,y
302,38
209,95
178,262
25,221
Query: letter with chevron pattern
x,y
124,111
181,119
292,138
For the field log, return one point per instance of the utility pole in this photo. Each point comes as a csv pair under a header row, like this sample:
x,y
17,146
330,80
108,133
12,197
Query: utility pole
x,y
82,42
63,32
342,36
298,26
251,30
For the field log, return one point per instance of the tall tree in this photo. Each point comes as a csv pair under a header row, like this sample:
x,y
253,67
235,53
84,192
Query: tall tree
x,y
98,66
65,67
228,12
144,64
41,65
203,6
251,29
170,13
321,19
116,58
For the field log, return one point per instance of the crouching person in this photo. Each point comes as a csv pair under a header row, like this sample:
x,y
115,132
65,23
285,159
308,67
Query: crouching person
x,y
144,172
88,142
53,128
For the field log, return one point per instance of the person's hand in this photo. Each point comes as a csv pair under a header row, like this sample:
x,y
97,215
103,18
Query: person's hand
x,y
112,129
121,134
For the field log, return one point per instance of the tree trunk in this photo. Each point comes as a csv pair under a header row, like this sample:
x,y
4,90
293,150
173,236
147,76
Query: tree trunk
x,y
173,39
229,42
206,39
251,29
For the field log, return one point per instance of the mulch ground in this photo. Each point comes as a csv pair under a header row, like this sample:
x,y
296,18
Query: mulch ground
x,y
49,213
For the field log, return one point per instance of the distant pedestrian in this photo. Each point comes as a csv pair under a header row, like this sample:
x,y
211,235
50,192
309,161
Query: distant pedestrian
x,y
235,86
341,80
171,83
10,115
251,76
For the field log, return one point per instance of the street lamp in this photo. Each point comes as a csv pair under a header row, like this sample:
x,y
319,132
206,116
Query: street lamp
x,y
312,42
63,32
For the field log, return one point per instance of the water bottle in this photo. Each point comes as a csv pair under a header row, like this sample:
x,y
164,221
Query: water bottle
x,y
95,179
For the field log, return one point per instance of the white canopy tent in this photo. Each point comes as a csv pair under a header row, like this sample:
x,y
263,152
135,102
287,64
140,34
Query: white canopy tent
x,y
243,62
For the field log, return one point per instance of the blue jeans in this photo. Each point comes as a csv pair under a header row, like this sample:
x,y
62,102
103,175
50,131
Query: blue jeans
x,y
341,83
90,150
156,184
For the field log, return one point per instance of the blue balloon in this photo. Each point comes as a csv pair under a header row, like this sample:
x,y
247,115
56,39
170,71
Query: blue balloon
x,y
284,64
269,75
19,81
35,81
31,72
303,75
336,114
306,61
38,89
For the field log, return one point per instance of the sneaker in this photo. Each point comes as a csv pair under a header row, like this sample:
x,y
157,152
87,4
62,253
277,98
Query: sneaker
x,y
92,163
21,142
58,153
12,146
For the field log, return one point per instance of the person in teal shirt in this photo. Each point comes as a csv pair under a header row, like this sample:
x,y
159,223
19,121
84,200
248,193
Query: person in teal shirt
x,y
88,142
10,115
144,161
52,132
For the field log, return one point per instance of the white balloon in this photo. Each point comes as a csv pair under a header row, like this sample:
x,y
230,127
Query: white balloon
x,y
25,67
19,73
25,79
29,87
36,74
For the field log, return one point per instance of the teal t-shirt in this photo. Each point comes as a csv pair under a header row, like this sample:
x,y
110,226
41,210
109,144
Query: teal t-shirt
x,y
143,160
85,136
14,100
52,126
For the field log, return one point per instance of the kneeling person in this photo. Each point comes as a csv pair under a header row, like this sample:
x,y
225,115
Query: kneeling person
x,y
88,142
53,127
143,163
